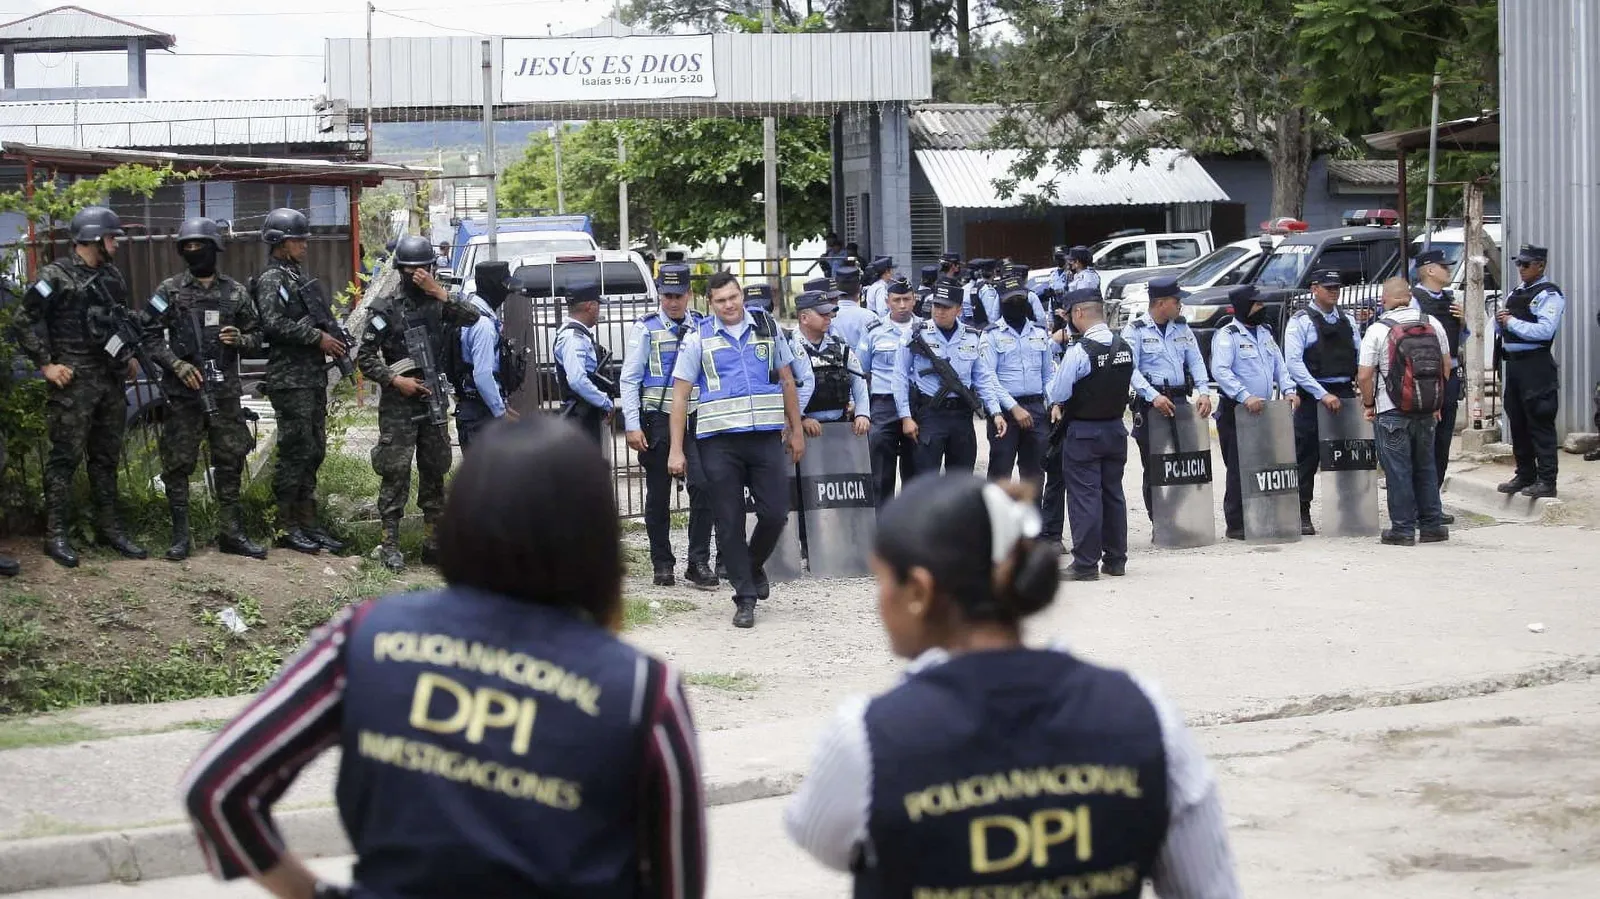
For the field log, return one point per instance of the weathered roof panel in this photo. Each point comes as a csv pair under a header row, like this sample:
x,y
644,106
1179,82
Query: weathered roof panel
x,y
966,179
76,24
156,124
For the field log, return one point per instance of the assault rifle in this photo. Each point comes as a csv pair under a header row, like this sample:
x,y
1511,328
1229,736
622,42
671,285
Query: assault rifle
x,y
210,374
949,382
124,338
320,316
420,348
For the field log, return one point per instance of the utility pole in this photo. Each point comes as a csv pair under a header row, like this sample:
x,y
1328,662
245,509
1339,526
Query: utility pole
x,y
555,141
1433,160
1474,257
622,198
769,150
368,104
490,168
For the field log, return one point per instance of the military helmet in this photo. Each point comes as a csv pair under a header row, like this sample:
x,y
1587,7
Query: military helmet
x,y
200,228
283,224
95,222
414,249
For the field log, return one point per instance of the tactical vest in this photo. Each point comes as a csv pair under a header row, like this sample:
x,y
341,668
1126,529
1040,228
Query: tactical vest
x,y
1013,773
194,318
740,388
831,368
1334,353
1102,394
1520,304
664,336
400,314
600,358
1439,308
74,298
980,313
490,749
924,295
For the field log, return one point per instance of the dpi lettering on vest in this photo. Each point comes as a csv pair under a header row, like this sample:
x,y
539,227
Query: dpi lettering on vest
x,y
988,789
518,668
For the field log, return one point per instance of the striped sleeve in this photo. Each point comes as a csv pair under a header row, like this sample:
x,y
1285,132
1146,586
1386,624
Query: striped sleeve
x,y
1195,861
230,789
673,812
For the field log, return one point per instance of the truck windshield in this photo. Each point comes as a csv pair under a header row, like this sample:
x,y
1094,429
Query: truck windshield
x,y
1203,272
1285,266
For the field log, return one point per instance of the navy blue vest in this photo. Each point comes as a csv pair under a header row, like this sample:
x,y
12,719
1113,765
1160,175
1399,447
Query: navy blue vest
x,y
1013,769
489,750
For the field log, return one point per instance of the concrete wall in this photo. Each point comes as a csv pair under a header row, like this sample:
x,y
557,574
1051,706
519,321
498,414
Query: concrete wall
x,y
873,181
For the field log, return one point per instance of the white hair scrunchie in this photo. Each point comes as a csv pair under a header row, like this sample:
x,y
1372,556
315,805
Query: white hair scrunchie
x,y
1009,522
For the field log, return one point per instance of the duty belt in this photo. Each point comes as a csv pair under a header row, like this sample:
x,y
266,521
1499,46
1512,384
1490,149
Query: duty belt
x,y
1171,393
1527,354
949,403
1029,398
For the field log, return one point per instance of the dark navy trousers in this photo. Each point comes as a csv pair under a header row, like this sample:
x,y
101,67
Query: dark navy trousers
x,y
890,447
733,462
658,488
946,437
1093,456
1019,449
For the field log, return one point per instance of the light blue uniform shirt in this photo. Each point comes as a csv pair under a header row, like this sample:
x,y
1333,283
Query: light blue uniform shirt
x,y
1302,333
1059,279
1247,363
974,292
633,365
478,345
1086,278
877,351
878,298
1160,356
964,350
1022,361
858,384
991,305
851,322
1548,306
688,368
1075,364
577,357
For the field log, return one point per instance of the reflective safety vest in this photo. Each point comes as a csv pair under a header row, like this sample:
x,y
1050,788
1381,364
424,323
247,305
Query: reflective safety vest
x,y
740,389
490,747
1020,772
664,335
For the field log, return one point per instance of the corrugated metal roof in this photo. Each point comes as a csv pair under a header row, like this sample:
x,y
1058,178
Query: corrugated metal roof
x,y
89,157
965,179
67,23
1365,172
966,126
156,124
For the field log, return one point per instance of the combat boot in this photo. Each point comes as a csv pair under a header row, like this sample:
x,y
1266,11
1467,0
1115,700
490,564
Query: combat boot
x,y
179,549
111,533
699,574
314,532
1307,529
55,539
294,535
232,540
389,553
9,567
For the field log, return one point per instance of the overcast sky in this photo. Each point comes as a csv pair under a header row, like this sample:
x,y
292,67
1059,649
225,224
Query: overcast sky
x,y
275,49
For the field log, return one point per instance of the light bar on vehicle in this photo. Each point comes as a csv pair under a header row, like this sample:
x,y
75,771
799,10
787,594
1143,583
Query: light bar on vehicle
x,y
1384,217
1283,225
589,258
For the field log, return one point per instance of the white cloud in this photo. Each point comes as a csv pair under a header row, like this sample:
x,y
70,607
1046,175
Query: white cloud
x,y
284,46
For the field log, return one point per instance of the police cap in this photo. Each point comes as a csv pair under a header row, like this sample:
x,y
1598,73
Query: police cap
x,y
758,295
1080,295
981,264
1327,277
1012,286
882,264
578,294
1166,286
899,289
1531,253
930,273
673,279
816,301
950,258
847,278
1430,257
946,293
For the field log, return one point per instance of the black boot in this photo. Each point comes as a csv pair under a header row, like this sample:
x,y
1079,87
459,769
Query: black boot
x,y
701,575
389,553
111,533
9,567
1307,529
763,587
55,530
663,577
232,539
314,532
744,612
1516,483
179,550
1539,490
294,535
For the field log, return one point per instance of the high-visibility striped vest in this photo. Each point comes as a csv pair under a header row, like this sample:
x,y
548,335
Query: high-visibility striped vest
x,y
655,389
739,386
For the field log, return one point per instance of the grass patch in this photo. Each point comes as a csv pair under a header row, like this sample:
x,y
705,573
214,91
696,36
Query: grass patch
x,y
636,561
25,600
679,520
639,611
737,682
205,724
22,734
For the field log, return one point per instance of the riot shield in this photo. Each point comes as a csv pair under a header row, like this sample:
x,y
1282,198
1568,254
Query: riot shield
x,y
1269,480
1348,482
784,564
837,502
1180,478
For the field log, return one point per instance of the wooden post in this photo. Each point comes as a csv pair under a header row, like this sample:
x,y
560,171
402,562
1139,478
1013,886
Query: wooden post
x,y
1405,217
1472,351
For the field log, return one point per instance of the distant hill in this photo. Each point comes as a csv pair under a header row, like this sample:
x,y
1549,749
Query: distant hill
x,y
402,141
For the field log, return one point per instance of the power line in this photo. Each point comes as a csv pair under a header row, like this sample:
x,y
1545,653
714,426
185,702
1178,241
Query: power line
x,y
383,12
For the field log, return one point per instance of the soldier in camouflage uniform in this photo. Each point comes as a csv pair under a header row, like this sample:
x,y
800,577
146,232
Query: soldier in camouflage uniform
x,y
207,318
8,565
297,379
403,426
67,327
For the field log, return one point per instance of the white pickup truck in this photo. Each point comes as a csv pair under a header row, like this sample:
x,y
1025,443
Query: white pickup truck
x,y
1138,250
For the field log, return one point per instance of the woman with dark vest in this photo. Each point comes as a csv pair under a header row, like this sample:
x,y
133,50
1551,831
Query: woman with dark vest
x,y
995,769
497,738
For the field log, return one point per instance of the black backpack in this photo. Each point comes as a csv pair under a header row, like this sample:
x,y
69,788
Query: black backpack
x,y
513,361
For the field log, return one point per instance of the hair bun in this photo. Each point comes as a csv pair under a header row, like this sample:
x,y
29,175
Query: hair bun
x,y
1035,578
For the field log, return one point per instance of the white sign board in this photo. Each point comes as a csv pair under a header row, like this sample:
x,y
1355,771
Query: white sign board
x,y
640,67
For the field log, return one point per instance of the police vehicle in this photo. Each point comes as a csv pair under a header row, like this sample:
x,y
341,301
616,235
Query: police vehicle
x,y
1225,266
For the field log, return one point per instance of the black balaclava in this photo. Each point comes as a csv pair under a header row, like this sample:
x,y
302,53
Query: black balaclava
x,y
1257,313
202,260
1016,312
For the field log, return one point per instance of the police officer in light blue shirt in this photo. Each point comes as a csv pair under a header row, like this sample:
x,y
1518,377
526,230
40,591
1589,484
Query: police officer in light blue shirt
x,y
834,383
1248,366
935,413
852,320
980,292
1023,358
1167,365
759,296
881,273
1084,276
878,348
1014,275
1525,329
1321,347
585,392
479,398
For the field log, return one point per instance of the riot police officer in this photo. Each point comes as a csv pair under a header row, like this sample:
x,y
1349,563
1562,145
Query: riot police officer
x,y
1525,330
285,296
878,349
207,318
438,807
1167,366
76,326
1248,365
585,390
979,294
1091,390
930,277
1321,346
479,378
747,416
835,384
402,325
943,786
646,382
941,378
1022,355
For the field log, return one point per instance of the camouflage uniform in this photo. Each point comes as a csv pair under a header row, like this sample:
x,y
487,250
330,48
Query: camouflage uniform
x,y
400,432
297,385
194,315
64,322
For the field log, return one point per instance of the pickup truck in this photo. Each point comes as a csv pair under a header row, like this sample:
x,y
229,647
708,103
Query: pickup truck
x,y
1157,253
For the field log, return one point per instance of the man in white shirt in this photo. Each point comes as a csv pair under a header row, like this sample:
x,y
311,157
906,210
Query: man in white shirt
x,y
1401,375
